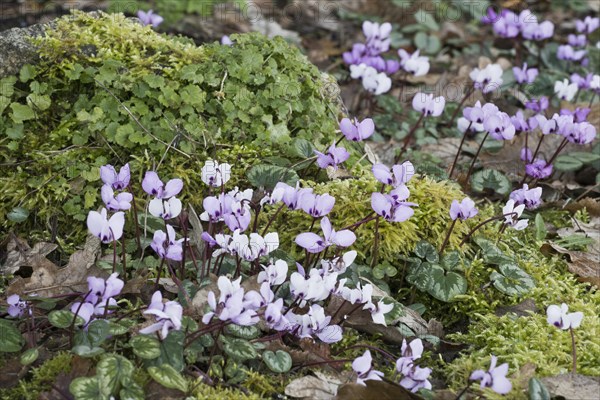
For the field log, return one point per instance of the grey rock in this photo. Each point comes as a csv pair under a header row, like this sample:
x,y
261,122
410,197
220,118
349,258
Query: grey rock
x,y
16,48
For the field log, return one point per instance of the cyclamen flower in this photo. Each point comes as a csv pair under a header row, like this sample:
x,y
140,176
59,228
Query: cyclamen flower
x,y
118,181
581,133
16,306
292,197
108,230
523,125
378,311
232,305
364,369
333,157
317,205
538,105
414,63
587,25
579,114
535,31
150,18
317,287
568,53
396,176
249,248
122,201
531,198
339,264
378,36
168,316
226,41
565,90
539,169
357,131
165,209
512,214
582,82
500,126
373,81
560,317
577,40
410,352
165,245
274,318
494,378
416,378
314,243
427,105
393,207
463,210
100,297
524,75
215,174
487,79
526,154
316,323
275,273
155,187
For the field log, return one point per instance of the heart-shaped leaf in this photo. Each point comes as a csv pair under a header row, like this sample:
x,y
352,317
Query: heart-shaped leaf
x,y
112,369
512,280
29,356
146,347
238,349
87,351
11,339
446,285
64,319
243,332
89,388
168,377
278,361
491,179
419,275
426,250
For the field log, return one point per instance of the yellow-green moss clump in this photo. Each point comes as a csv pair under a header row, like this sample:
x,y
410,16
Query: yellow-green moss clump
x,y
63,118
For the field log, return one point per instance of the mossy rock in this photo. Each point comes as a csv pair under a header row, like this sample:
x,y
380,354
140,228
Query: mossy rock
x,y
108,90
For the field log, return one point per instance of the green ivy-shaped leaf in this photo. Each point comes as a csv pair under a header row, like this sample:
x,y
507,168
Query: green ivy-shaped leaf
x,y
491,253
97,332
446,285
146,347
64,319
112,369
419,275
537,390
451,261
238,349
304,148
278,362
29,356
568,163
87,351
243,332
89,388
131,390
168,377
267,176
512,280
426,250
491,179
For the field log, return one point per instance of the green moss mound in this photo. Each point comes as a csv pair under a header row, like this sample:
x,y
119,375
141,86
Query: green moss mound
x,y
108,90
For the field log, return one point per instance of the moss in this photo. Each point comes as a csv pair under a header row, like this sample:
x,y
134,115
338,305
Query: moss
x,y
42,378
205,392
522,340
62,119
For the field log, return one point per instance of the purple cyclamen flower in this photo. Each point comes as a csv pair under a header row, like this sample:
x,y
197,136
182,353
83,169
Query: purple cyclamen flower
x,y
581,133
84,310
101,290
226,41
487,79
463,210
427,105
121,201
523,125
577,40
275,318
232,306
118,181
507,25
364,369
150,18
539,169
215,174
293,197
531,198
333,157
275,273
560,317
314,243
500,126
16,306
357,131
317,205
525,75
582,82
512,214
568,53
155,187
490,16
580,114
393,208
168,316
166,246
587,25
108,230
410,352
538,32
494,378
396,176
538,105
378,36
416,378
316,323
165,209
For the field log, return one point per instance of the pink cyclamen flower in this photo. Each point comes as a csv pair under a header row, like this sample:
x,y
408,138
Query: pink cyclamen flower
x,y
390,208
102,289
487,79
531,198
107,230
155,187
560,317
429,106
118,181
150,18
494,378
357,131
587,25
539,169
364,369
121,201
333,157
500,126
226,41
16,306
581,133
317,205
165,209
398,175
463,210
314,243
166,246
525,75
168,316
414,63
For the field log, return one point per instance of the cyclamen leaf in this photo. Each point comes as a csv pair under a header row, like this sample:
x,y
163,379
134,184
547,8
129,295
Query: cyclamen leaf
x,y
243,332
89,388
145,347
64,319
84,350
112,369
512,280
268,176
537,390
238,349
18,214
11,339
446,285
491,179
29,356
168,377
426,250
568,163
278,362
419,275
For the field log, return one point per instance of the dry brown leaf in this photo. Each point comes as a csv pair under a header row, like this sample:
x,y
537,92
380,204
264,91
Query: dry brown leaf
x,y
374,390
585,265
302,357
323,386
19,253
48,279
521,310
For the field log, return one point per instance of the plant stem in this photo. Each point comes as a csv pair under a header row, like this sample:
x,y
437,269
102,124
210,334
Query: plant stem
x,y
574,351
447,236
408,137
124,259
476,155
354,226
562,145
135,217
462,141
114,256
375,243
592,100
264,232
467,94
458,396
479,225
